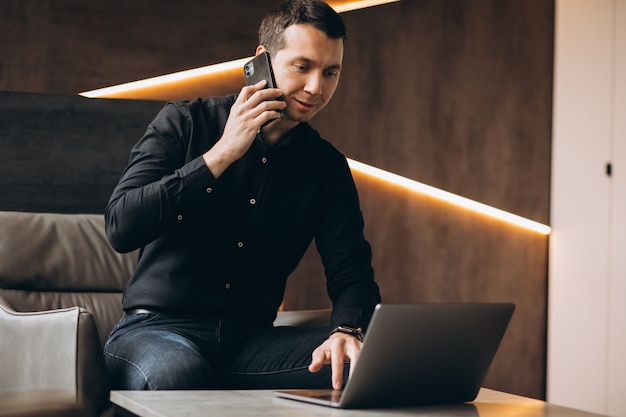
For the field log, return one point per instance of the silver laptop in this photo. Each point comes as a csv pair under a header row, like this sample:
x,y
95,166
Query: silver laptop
x,y
420,354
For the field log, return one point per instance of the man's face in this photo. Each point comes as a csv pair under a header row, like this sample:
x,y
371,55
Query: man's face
x,y
307,71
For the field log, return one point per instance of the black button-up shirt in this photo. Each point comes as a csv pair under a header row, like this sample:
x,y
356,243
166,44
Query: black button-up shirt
x,y
224,247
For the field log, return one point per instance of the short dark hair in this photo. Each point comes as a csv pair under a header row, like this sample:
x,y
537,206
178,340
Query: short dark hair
x,y
291,12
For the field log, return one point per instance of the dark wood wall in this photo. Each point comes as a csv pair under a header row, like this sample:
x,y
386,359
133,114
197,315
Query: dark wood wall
x,y
453,93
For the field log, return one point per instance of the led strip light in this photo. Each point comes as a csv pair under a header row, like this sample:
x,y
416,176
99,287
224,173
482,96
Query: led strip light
x,y
347,6
448,197
166,79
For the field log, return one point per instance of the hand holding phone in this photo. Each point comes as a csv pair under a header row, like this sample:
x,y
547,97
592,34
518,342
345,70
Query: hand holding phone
x,y
260,68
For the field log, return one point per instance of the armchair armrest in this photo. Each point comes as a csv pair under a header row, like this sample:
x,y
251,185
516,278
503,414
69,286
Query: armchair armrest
x,y
306,318
37,404
53,351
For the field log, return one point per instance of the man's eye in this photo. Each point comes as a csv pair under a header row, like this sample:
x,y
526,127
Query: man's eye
x,y
331,74
301,67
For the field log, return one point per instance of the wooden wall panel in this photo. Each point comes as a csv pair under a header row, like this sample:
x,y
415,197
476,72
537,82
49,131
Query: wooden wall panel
x,y
69,46
453,93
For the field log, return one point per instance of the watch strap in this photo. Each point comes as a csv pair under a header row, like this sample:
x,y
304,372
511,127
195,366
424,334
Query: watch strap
x,y
347,329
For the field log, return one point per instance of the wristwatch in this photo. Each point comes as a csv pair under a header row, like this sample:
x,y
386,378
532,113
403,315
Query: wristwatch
x,y
347,329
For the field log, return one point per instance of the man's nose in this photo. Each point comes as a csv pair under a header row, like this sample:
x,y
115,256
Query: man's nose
x,y
314,83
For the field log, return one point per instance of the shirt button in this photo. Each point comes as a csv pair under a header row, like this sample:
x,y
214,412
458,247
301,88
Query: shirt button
x,y
179,217
264,160
240,244
252,201
209,190
227,286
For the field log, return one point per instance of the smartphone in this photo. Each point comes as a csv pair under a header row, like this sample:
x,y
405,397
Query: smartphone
x,y
259,68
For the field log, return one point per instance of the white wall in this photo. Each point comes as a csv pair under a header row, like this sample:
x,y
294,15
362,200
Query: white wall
x,y
587,290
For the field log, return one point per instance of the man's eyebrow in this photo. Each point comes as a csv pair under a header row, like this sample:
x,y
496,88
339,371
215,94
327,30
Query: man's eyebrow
x,y
311,62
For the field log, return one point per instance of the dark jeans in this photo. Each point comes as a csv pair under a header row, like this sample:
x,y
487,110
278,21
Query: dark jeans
x,y
159,352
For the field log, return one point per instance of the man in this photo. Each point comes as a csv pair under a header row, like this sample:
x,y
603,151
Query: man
x,y
223,196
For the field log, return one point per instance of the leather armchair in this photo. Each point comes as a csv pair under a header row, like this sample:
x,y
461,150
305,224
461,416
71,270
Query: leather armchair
x,y
60,294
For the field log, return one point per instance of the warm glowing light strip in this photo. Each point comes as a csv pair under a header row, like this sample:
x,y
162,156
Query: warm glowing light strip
x,y
449,197
341,7
168,78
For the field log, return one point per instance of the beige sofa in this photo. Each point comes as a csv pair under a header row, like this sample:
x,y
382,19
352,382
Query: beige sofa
x,y
60,294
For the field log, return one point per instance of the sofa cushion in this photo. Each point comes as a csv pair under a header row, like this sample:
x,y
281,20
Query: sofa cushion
x,y
54,261
65,252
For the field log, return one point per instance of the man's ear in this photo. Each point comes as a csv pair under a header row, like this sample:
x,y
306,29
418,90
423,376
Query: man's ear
x,y
260,49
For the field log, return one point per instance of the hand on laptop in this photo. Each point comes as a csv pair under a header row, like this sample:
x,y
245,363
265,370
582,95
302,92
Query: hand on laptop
x,y
338,348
